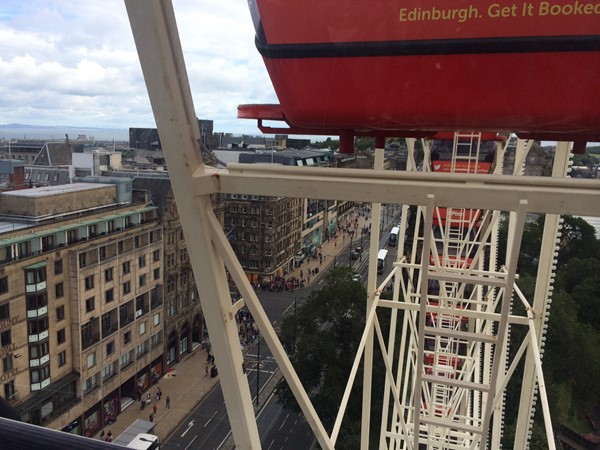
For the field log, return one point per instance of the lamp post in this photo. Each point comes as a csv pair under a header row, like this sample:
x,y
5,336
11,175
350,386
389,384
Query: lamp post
x,y
295,323
258,369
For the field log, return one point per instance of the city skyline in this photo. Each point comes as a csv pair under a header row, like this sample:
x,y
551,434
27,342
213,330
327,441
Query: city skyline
x,y
74,64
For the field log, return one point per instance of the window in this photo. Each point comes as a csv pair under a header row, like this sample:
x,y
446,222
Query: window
x,y
59,290
126,359
58,267
60,336
156,255
62,358
143,280
126,287
92,230
141,349
142,328
4,311
39,350
89,304
126,267
110,225
91,360
5,338
9,390
142,261
171,260
89,282
110,348
36,301
36,276
91,383
156,319
109,295
156,274
108,274
109,371
82,260
171,308
60,313
40,374
3,285
127,337
183,278
7,363
171,284
155,339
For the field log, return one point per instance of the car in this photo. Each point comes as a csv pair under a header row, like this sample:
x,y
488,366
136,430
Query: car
x,y
356,277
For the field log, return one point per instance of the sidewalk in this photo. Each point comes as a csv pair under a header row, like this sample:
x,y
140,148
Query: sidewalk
x,y
186,388
335,250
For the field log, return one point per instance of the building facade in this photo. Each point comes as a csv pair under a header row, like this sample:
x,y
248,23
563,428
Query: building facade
x,y
81,295
264,232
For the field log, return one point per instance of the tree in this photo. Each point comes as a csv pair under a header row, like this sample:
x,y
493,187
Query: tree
x,y
578,239
322,339
572,356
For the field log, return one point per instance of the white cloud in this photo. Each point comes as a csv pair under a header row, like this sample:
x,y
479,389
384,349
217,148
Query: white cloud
x,y
68,62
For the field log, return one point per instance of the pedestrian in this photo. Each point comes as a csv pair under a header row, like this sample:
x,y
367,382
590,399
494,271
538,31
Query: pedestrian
x,y
142,404
151,417
108,437
206,370
102,435
168,401
155,408
148,397
158,393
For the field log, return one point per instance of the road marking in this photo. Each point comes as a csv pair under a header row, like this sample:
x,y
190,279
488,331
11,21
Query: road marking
x,y
284,420
188,446
211,418
190,425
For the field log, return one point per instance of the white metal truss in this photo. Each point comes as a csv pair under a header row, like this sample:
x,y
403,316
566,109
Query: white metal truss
x,y
446,366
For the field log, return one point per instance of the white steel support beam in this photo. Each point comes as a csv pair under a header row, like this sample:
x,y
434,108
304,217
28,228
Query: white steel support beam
x,y
365,424
155,33
514,244
418,373
541,302
496,192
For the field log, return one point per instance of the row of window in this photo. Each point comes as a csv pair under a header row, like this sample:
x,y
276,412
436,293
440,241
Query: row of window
x,y
109,294
88,258
125,360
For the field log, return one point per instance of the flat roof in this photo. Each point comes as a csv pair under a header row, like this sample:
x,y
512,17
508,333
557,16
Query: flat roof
x,y
46,191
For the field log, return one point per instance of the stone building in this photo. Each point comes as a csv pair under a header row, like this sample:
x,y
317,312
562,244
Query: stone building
x,y
264,232
81,295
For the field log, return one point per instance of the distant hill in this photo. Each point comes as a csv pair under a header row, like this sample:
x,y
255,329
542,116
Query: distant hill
x,y
24,131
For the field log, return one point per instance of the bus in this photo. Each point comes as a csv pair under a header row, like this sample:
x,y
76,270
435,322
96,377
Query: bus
x,y
381,256
138,435
393,238
145,441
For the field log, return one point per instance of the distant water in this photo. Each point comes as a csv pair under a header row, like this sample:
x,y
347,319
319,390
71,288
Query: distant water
x,y
16,131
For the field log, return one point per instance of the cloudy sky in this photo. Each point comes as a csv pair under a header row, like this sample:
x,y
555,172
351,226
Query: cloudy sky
x,y
74,62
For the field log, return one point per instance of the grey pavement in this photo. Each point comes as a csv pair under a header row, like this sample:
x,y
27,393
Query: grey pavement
x,y
186,386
